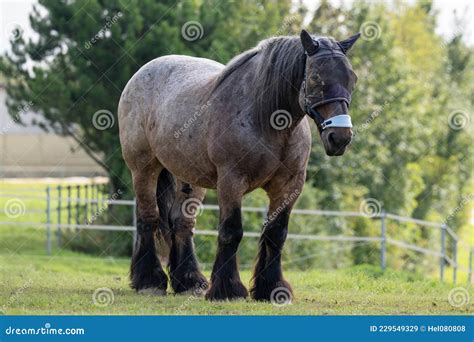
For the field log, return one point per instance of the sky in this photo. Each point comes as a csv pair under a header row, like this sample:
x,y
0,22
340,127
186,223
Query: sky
x,y
15,12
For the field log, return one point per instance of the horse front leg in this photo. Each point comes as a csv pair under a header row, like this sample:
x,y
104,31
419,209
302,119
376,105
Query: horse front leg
x,y
268,278
225,279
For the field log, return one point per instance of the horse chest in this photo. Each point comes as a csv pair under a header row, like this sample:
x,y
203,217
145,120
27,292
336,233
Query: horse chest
x,y
252,159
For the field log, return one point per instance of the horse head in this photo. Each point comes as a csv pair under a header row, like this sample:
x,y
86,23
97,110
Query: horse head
x,y
325,94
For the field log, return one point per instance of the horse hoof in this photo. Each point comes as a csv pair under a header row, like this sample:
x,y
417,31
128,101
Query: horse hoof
x,y
152,291
228,290
191,283
196,292
278,293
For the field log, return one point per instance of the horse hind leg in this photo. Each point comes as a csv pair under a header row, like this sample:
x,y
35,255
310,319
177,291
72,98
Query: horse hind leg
x,y
184,270
146,273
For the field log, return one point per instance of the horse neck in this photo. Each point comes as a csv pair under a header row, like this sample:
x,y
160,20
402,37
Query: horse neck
x,y
246,77
286,96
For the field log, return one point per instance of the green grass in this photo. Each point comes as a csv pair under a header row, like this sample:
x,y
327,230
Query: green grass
x,y
64,284
34,283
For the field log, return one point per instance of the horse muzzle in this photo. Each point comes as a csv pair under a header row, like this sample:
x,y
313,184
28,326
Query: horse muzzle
x,y
335,132
336,140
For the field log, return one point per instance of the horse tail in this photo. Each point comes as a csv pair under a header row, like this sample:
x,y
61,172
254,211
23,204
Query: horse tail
x,y
165,196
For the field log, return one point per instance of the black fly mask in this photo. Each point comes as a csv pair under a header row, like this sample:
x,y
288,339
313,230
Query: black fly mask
x,y
332,80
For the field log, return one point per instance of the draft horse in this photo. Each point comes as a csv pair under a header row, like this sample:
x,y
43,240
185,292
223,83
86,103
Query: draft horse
x,y
190,124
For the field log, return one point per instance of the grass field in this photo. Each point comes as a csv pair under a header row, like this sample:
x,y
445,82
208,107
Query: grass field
x,y
65,284
33,283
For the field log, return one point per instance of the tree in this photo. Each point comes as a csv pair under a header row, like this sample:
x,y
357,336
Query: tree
x,y
74,72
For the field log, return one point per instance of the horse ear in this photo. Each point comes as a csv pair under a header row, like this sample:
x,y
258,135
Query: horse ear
x,y
347,43
309,45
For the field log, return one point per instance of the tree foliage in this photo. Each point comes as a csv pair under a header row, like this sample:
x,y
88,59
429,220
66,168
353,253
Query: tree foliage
x,y
406,153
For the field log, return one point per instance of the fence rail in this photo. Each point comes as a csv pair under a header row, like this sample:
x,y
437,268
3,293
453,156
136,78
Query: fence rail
x,y
92,199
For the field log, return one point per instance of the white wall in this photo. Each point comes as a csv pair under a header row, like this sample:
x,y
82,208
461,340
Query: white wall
x,y
30,152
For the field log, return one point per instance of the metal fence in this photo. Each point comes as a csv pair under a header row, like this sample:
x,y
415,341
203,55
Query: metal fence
x,y
93,199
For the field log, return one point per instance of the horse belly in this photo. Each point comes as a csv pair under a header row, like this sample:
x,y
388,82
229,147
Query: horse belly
x,y
180,144
191,165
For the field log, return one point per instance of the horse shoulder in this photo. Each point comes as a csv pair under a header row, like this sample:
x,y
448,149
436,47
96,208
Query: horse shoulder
x,y
299,146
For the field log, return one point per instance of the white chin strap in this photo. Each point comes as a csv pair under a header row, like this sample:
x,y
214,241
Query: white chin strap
x,y
342,120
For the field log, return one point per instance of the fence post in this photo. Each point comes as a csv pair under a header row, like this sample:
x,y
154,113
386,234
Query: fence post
x,y
469,274
96,198
86,205
58,227
78,200
134,223
103,191
442,259
383,240
69,217
48,220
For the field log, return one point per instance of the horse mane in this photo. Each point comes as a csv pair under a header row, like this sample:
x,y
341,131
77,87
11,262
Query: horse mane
x,y
278,75
234,64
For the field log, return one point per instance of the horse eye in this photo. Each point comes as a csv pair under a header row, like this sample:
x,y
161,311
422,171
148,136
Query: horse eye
x,y
317,79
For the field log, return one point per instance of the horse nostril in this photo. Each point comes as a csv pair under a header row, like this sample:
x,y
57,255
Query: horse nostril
x,y
331,138
338,142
